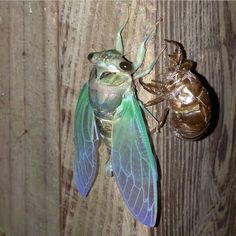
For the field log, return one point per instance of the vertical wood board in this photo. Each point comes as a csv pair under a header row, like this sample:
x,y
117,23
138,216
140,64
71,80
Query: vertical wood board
x,y
29,160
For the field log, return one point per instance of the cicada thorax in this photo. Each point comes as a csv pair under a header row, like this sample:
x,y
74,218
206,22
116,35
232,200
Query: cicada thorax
x,y
189,104
106,91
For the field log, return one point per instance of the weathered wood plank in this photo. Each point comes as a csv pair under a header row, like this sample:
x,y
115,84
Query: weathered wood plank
x,y
197,178
4,123
30,108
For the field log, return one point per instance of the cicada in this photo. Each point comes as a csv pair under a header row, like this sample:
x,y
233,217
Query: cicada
x,y
108,109
187,99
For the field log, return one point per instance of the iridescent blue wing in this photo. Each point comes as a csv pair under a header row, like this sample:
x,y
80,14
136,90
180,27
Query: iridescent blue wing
x,y
86,144
133,162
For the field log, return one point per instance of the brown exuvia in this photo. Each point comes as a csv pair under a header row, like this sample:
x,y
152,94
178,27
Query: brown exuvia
x,y
188,102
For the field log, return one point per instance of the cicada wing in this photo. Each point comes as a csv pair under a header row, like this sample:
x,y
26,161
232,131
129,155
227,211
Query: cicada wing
x,y
133,162
86,144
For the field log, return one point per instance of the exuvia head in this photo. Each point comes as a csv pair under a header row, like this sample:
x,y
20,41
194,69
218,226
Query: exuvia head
x,y
178,61
179,55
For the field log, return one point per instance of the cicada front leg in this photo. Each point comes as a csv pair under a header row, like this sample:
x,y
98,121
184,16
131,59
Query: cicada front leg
x,y
162,120
155,101
157,88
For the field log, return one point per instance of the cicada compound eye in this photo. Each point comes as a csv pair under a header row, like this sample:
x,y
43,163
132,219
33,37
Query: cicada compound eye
x,y
126,66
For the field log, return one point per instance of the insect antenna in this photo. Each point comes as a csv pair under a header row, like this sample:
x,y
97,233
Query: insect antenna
x,y
119,41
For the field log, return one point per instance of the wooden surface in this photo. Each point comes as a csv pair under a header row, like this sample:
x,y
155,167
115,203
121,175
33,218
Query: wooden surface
x,y
29,119
44,46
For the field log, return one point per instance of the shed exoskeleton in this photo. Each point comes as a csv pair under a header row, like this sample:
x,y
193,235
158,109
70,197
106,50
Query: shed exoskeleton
x,y
188,102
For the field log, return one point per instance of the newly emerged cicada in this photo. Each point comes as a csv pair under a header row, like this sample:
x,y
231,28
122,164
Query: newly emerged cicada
x,y
187,99
109,110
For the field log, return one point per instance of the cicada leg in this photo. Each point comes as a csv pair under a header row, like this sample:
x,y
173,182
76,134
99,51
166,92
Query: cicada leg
x,y
160,122
149,87
148,70
155,101
156,87
163,117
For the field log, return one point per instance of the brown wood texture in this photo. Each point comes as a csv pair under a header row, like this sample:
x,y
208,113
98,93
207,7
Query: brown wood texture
x,y
29,119
43,65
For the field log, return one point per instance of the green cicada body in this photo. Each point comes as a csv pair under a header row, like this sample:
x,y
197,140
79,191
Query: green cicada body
x,y
108,109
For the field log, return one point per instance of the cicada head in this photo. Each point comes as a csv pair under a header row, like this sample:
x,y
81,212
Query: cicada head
x,y
111,61
114,61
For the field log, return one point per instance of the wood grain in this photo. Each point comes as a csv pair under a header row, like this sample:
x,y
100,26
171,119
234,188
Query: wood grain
x,y
29,186
43,65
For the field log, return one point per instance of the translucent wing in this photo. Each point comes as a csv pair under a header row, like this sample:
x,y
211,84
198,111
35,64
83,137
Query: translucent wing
x,y
86,144
133,162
